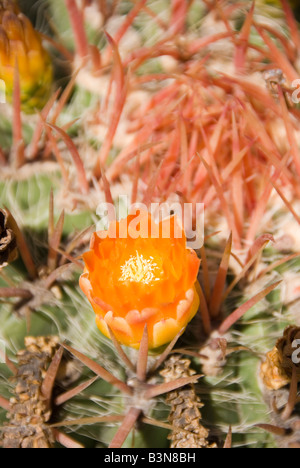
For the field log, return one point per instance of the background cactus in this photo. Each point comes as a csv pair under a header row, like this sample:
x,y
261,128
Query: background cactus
x,y
157,100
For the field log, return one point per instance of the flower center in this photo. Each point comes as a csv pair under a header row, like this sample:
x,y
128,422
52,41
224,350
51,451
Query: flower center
x,y
139,269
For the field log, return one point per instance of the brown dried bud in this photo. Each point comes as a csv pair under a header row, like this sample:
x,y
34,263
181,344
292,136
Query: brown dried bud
x,y
8,243
287,348
29,412
276,371
273,375
185,416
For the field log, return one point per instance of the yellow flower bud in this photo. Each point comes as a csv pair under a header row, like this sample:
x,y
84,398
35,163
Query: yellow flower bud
x,y
21,46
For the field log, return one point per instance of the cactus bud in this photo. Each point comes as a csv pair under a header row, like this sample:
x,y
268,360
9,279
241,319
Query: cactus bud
x,y
21,46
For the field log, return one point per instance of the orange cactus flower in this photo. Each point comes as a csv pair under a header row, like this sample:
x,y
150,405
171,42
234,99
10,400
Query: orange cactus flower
x,y
136,275
20,44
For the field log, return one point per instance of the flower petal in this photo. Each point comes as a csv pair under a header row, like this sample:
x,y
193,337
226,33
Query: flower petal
x,y
132,280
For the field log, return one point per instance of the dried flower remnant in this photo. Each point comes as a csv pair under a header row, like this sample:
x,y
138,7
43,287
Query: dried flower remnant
x,y
21,48
287,349
29,412
276,371
185,415
280,374
136,280
8,244
30,409
272,374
